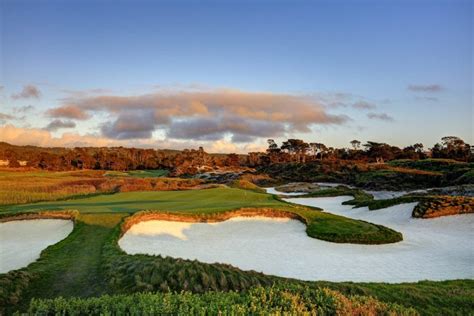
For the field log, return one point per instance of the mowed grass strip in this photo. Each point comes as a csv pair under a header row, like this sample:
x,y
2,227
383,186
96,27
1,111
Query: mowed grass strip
x,y
197,201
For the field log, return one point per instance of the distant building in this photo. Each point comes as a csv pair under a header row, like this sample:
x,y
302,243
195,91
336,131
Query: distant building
x,y
4,163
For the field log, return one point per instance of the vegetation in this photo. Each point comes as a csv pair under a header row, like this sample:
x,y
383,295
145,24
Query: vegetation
x,y
34,186
427,297
443,206
246,185
89,263
256,301
138,173
320,225
380,177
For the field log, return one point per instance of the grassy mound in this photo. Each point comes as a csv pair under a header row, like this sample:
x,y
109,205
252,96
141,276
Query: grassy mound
x,y
246,185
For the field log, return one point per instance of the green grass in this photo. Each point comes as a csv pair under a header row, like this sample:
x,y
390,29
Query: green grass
x,y
455,297
138,173
212,201
199,201
89,263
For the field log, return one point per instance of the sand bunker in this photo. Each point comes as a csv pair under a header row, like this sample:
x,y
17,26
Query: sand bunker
x,y
435,249
274,191
21,242
378,195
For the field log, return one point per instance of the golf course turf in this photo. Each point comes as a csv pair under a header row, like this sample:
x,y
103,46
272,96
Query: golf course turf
x,y
89,263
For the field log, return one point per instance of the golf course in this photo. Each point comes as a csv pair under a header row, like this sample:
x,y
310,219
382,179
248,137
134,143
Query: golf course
x,y
89,263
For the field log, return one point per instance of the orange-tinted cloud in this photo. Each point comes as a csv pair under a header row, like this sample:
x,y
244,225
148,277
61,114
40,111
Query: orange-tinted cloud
x,y
243,115
41,137
68,111
29,91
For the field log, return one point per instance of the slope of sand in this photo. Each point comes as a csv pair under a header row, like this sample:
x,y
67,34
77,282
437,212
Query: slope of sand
x,y
21,242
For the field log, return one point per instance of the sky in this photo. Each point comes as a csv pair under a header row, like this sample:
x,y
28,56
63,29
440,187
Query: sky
x,y
228,75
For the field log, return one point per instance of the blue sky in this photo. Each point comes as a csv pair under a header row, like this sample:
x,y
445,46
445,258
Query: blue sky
x,y
410,62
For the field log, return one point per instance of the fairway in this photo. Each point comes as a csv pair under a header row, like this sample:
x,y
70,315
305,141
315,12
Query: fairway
x,y
199,201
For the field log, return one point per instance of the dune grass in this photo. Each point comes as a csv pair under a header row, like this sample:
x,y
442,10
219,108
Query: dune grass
x,y
32,186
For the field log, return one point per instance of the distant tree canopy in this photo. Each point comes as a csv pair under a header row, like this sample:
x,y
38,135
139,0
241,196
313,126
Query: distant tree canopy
x,y
191,161
452,147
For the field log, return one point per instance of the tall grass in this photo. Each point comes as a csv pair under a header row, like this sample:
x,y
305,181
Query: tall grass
x,y
36,186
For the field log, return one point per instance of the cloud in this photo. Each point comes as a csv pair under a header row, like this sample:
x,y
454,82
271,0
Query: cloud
x,y
380,116
425,88
130,125
41,137
363,105
29,91
185,114
57,124
5,117
427,98
216,128
69,112
23,109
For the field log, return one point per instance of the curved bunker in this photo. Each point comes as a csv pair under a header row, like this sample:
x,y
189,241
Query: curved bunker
x,y
281,247
23,240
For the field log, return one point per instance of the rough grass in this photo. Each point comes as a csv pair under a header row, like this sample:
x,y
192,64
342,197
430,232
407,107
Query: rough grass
x,y
437,165
246,185
454,297
33,186
17,187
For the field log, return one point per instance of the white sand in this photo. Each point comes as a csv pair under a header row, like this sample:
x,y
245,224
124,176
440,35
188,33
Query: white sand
x,y
378,195
274,191
21,242
434,249
383,195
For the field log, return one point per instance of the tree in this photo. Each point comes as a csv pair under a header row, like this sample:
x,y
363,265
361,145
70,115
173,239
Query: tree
x,y
296,146
355,144
451,147
272,146
318,148
381,151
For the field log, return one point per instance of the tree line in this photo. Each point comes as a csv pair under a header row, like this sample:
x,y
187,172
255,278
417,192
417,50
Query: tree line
x,y
297,150
193,161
